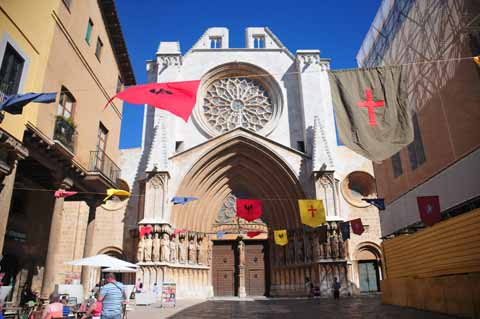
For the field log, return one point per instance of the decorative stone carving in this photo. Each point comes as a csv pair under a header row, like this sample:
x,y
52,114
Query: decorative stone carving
x,y
241,253
192,252
168,60
165,248
148,248
309,58
308,247
173,250
316,248
237,102
141,250
182,251
156,248
290,250
341,247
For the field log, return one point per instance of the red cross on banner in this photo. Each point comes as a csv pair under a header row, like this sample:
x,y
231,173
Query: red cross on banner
x,y
371,105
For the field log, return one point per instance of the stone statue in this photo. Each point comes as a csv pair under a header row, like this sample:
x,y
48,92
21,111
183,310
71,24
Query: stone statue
x,y
173,250
148,248
182,251
192,252
316,248
280,258
327,251
141,249
165,248
308,247
210,252
299,249
202,253
290,252
241,253
334,244
341,247
156,248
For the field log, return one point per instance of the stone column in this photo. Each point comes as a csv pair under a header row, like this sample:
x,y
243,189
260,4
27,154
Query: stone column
x,y
53,264
88,248
6,191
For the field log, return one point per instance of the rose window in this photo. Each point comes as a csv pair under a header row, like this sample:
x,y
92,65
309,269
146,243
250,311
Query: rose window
x,y
237,102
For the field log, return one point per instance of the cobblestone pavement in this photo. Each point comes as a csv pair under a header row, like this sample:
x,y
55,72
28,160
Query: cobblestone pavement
x,y
351,308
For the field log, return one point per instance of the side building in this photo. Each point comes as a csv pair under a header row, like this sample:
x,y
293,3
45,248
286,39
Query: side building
x,y
74,48
435,268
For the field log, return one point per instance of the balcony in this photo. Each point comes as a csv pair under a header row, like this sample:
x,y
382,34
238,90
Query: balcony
x,y
100,162
65,132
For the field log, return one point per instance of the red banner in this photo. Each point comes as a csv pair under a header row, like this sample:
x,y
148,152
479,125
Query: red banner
x,y
249,209
429,209
357,226
144,230
252,234
176,97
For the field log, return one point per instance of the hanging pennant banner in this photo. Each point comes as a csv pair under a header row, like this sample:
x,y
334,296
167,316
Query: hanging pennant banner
x,y
115,192
144,230
377,202
14,104
177,98
249,209
252,234
312,212
220,234
476,59
183,200
357,226
429,209
281,238
64,194
345,230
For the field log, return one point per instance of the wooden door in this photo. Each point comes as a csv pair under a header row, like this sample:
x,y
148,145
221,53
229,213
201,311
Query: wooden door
x,y
223,269
255,269
368,276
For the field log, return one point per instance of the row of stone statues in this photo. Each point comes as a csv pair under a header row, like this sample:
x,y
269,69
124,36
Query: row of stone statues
x,y
175,249
305,247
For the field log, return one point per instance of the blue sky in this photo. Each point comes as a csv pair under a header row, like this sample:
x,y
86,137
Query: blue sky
x,y
336,28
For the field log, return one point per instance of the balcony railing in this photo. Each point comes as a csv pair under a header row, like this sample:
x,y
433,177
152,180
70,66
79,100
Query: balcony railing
x,y
65,132
100,162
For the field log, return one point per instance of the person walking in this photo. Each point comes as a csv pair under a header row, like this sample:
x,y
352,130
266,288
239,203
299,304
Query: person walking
x,y
112,296
336,288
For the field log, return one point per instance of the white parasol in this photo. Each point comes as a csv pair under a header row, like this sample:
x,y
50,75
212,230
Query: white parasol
x,y
101,261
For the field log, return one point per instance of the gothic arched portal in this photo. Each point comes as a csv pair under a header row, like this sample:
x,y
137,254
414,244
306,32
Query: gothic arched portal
x,y
239,163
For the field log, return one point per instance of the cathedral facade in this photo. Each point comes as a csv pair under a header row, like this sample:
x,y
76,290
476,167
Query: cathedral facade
x,y
263,128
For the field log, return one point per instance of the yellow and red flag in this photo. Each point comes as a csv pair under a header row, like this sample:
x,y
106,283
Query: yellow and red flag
x,y
312,212
280,236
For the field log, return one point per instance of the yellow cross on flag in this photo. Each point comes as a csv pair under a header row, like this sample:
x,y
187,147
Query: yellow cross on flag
x,y
312,212
281,238
115,192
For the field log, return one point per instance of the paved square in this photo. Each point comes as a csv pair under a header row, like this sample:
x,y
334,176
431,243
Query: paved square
x,y
351,308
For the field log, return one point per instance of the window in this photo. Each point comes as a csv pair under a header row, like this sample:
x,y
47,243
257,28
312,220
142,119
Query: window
x,y
98,50
416,153
11,71
258,41
89,31
301,146
66,104
119,84
215,42
101,146
397,165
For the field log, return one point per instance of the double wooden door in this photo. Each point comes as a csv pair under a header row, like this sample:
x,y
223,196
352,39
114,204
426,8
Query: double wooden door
x,y
225,270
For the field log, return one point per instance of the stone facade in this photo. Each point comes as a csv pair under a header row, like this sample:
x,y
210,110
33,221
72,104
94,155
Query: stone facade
x,y
263,128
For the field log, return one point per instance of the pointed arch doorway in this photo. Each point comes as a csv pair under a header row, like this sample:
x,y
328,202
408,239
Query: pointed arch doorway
x,y
239,167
